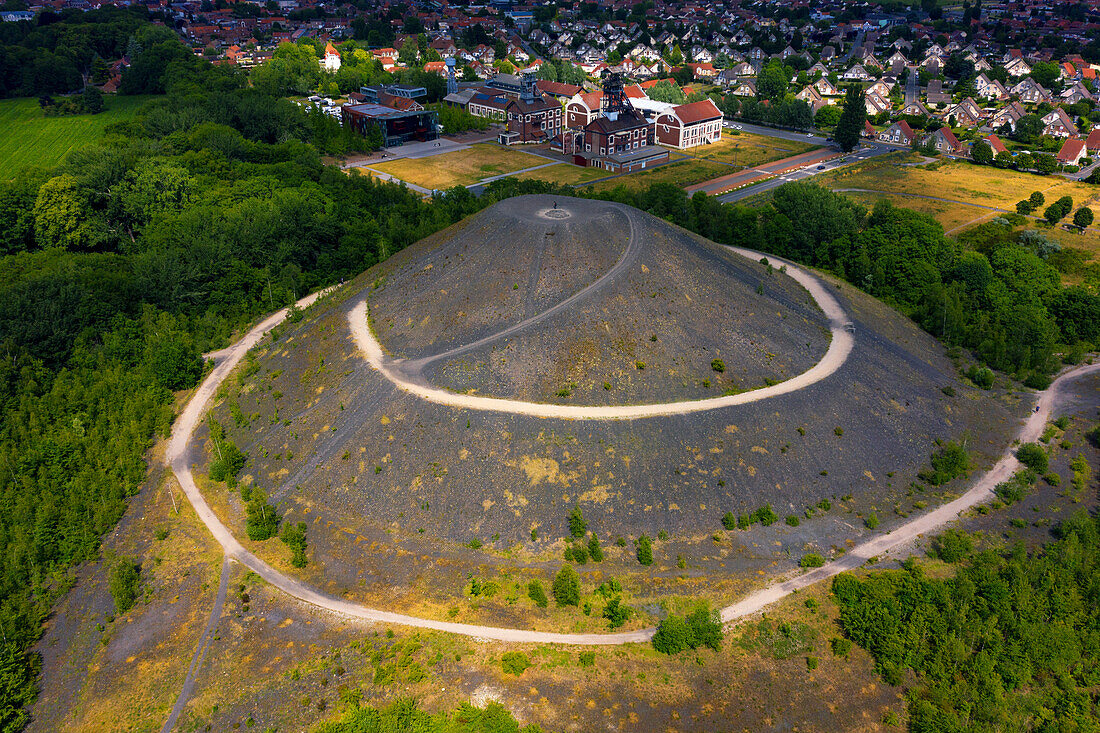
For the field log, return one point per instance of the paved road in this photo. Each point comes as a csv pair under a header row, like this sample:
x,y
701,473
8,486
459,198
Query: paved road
x,y
866,152
410,379
912,91
180,459
200,652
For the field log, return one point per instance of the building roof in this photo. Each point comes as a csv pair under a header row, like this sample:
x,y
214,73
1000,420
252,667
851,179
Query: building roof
x,y
330,50
1092,142
377,111
996,144
557,88
1072,149
697,111
622,121
948,136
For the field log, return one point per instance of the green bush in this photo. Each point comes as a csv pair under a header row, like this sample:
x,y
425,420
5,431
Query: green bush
x,y
793,520
1015,488
123,581
616,613
1033,456
765,515
294,535
567,587
673,636
702,627
811,663
514,662
718,365
744,521
227,463
841,647
981,376
537,594
952,546
729,521
644,550
949,461
262,520
811,560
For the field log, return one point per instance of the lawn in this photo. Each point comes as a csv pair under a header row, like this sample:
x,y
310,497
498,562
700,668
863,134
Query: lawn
x,y
31,138
683,173
956,180
747,149
564,173
460,168
951,215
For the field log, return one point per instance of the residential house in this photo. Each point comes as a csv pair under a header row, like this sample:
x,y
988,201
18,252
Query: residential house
x,y
826,88
1092,142
996,144
1007,116
331,61
1073,149
899,133
1030,91
945,142
856,73
1058,124
966,113
875,103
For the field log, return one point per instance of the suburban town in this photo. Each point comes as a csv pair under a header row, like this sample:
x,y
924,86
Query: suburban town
x,y
549,366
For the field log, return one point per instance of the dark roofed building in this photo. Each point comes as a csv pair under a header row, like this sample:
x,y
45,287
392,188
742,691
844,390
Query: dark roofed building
x,y
396,126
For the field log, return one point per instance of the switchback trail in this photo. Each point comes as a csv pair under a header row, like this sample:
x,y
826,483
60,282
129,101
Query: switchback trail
x,y
180,458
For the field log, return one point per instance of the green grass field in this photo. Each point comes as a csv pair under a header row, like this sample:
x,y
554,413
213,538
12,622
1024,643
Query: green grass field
x,y
28,137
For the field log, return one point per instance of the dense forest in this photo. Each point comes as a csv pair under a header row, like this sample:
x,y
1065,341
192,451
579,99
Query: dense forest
x,y
995,290
122,265
1011,642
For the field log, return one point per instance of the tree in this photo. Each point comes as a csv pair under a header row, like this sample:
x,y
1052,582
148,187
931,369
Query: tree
x,y
1082,218
262,520
123,583
409,52
1033,456
92,100
853,115
827,116
981,153
666,91
673,635
771,82
1028,129
594,549
706,627
1058,210
61,218
567,587
577,525
616,613
1046,73
644,550
537,594
1045,163
174,363
1037,199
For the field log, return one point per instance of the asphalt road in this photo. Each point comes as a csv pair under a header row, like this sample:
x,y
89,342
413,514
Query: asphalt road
x,y
866,151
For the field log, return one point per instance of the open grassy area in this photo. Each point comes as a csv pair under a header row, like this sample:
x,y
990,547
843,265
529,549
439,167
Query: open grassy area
x,y
565,173
683,173
956,180
460,168
746,149
950,215
31,138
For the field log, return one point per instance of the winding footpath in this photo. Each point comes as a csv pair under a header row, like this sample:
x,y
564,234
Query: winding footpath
x,y
180,458
405,374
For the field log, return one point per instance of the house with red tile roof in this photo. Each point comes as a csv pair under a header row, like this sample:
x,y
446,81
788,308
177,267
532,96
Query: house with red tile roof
x,y
945,142
996,144
1072,151
1092,142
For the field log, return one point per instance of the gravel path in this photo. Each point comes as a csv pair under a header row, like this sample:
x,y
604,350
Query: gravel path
x,y
180,458
406,374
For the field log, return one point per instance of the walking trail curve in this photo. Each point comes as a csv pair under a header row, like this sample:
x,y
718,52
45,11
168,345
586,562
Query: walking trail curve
x,y
405,374
179,458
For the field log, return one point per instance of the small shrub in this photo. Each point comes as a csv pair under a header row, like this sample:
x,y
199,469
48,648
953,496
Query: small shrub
x,y
841,647
811,560
1052,478
949,391
639,365
662,535
537,594
673,636
765,515
616,613
514,662
718,365
160,533
123,582
474,544
838,431
811,663
871,521
980,376
567,587
949,461
586,659
644,550
729,521
294,537
952,546
1033,456
792,520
